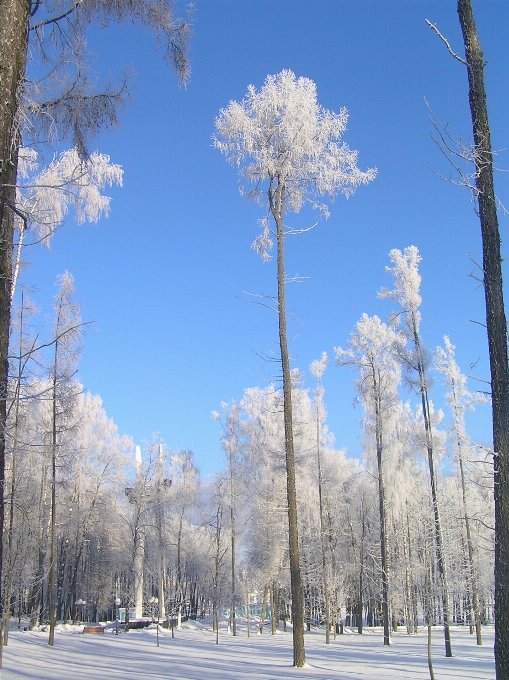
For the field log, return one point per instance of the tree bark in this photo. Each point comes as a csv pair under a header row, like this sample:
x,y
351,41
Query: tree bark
x,y
13,45
496,325
277,205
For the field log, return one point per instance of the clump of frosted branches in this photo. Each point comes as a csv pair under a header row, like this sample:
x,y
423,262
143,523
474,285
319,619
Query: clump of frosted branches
x,y
374,348
407,282
318,366
46,195
458,396
280,132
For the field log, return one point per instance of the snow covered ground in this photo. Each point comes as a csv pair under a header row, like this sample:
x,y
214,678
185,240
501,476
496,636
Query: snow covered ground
x,y
193,655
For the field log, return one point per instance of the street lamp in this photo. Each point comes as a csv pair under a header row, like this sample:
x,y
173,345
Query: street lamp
x,y
80,606
117,605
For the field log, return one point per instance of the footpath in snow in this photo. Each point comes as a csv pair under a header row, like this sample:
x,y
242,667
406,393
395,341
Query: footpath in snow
x,y
193,655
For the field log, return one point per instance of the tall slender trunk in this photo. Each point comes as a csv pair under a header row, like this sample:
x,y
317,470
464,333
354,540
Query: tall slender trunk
x,y
233,547
13,46
496,325
53,566
264,609
426,413
277,204
9,575
322,523
381,504
470,545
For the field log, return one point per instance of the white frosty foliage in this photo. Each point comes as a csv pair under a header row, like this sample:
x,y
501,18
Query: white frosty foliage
x,y
407,281
281,132
458,396
318,366
48,194
373,347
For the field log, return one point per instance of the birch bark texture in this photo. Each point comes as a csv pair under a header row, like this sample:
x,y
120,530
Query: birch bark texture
x,y
288,146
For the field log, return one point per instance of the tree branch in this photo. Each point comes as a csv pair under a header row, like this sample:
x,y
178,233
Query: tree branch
x,y
451,51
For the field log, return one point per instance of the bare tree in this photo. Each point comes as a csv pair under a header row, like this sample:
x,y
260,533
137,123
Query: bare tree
x,y
496,323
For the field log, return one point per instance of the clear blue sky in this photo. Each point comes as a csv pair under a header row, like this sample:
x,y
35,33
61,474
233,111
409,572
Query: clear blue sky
x,y
162,276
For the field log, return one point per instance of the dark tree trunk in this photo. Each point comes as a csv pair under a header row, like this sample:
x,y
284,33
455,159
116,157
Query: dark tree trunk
x,y
496,327
13,44
276,201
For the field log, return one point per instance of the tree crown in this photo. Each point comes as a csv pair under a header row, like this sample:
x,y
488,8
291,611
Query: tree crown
x,y
280,133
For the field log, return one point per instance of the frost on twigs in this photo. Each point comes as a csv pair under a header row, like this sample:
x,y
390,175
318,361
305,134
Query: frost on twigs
x,y
282,140
263,243
46,195
318,366
407,282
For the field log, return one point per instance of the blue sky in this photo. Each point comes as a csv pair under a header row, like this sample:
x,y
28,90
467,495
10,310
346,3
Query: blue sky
x,y
162,276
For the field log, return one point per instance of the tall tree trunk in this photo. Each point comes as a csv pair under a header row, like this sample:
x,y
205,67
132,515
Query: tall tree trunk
x,y
53,566
277,204
381,504
264,608
233,619
13,45
428,430
470,546
322,522
496,328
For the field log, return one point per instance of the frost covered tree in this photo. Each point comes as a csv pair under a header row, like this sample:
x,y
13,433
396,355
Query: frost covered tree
x,y
67,330
459,398
407,281
289,147
59,103
373,348
231,444
317,369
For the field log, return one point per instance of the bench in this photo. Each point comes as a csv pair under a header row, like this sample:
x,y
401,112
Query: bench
x,y
93,629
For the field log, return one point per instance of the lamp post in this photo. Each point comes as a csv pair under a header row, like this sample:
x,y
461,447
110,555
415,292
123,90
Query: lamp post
x,y
80,605
117,605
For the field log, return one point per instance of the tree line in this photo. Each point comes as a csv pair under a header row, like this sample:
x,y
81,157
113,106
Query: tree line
x,y
290,149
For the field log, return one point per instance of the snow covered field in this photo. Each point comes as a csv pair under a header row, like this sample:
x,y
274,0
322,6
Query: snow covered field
x,y
193,655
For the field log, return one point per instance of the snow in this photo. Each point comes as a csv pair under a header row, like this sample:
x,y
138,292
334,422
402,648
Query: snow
x,y
193,655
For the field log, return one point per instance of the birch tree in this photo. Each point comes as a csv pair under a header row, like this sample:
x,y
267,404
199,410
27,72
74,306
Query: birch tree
x,y
289,147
